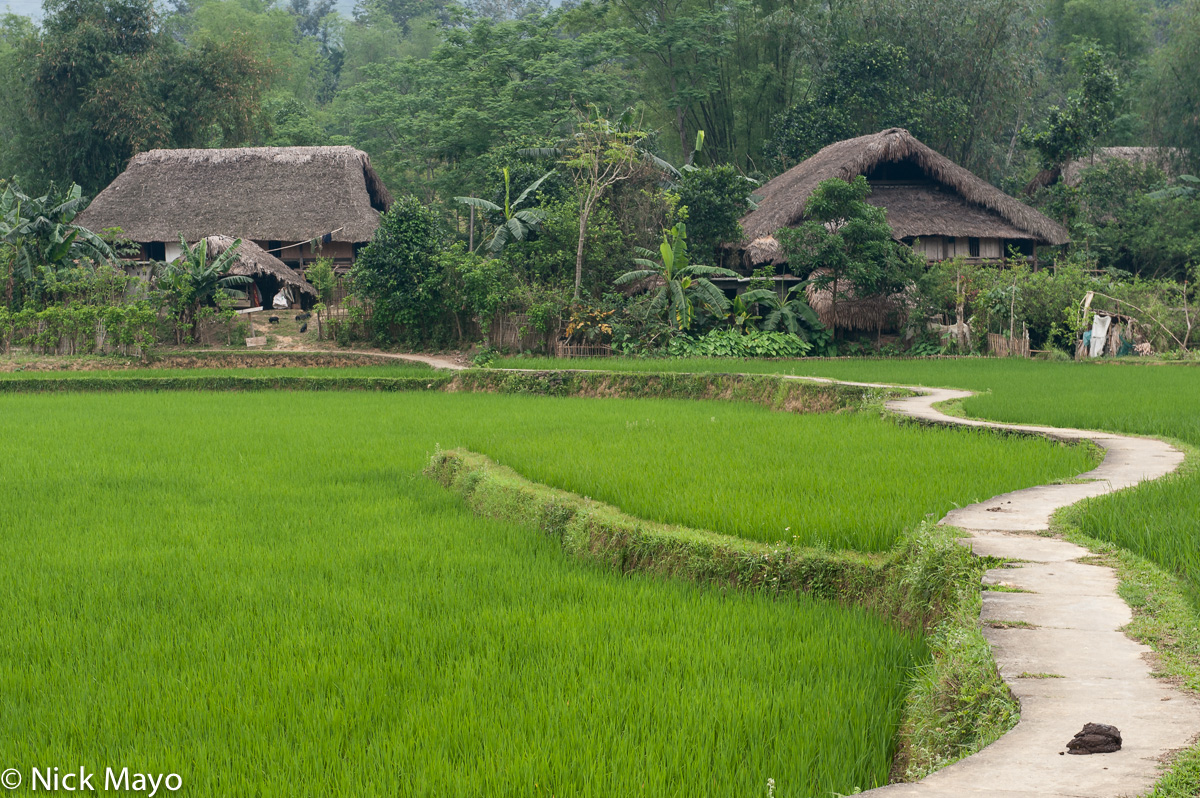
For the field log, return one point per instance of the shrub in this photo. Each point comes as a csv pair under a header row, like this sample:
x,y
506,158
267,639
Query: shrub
x,y
731,343
320,275
716,198
399,271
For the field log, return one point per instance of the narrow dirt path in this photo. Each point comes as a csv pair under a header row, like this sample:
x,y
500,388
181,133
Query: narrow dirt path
x,y
1075,617
436,361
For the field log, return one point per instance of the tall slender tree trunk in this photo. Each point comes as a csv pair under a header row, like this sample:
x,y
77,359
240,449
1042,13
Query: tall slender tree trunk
x,y
833,306
585,210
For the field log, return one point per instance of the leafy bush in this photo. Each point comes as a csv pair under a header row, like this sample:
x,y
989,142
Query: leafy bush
x,y
731,343
716,198
320,275
399,271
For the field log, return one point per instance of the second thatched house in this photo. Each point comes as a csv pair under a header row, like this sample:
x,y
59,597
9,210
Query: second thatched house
x,y
932,203
268,274
296,203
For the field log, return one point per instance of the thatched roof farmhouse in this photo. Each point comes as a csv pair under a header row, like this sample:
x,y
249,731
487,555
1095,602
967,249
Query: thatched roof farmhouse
x,y
931,202
280,198
1162,157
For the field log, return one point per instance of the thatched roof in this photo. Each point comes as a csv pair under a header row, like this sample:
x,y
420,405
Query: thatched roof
x,y
252,260
853,312
949,201
1162,157
263,193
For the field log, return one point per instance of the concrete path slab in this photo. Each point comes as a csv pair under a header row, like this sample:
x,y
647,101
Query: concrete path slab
x,y
1077,619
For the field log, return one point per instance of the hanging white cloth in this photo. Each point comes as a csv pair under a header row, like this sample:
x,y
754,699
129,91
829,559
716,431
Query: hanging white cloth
x,y
1099,335
282,300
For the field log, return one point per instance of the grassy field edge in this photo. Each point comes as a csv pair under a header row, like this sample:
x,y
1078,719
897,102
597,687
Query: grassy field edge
x,y
1164,618
956,704
778,393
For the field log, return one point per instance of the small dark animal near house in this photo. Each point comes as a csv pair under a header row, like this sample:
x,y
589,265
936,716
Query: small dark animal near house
x,y
273,320
303,316
304,327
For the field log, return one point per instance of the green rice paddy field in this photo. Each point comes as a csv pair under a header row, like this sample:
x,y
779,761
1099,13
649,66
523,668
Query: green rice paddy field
x,y
399,369
1159,520
262,593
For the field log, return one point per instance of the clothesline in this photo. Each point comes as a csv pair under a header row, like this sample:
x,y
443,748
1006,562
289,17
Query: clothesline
x,y
313,242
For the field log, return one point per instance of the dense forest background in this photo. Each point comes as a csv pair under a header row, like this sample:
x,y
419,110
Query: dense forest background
x,y
574,170
441,94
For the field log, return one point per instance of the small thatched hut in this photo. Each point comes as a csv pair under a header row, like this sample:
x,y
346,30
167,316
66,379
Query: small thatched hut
x,y
282,198
269,273
932,203
871,313
1162,157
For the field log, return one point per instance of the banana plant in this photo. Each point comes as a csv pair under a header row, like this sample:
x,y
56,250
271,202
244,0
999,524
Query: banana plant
x,y
681,283
38,231
518,222
791,312
192,279
741,312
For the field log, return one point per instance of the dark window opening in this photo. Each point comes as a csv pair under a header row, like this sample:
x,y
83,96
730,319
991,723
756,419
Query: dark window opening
x,y
156,250
273,247
906,171
973,247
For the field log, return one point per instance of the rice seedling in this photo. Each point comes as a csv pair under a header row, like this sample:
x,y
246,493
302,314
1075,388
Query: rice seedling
x,y
262,594
845,481
1158,520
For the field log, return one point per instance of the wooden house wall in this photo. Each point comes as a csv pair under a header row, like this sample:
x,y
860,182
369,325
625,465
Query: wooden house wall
x,y
935,248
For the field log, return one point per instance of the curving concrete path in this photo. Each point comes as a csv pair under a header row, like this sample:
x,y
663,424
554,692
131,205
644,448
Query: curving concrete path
x,y
1076,619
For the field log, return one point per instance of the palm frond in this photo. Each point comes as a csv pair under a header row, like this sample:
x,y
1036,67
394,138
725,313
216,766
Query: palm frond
x,y
711,270
478,202
680,308
710,295
662,165
540,152
634,276
531,188
223,261
515,229
532,216
757,295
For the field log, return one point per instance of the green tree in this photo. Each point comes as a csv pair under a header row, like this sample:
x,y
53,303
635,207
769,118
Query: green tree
x,y
846,245
104,79
716,199
432,125
1172,88
599,154
1073,129
867,87
677,43
517,222
399,271
681,283
1122,27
